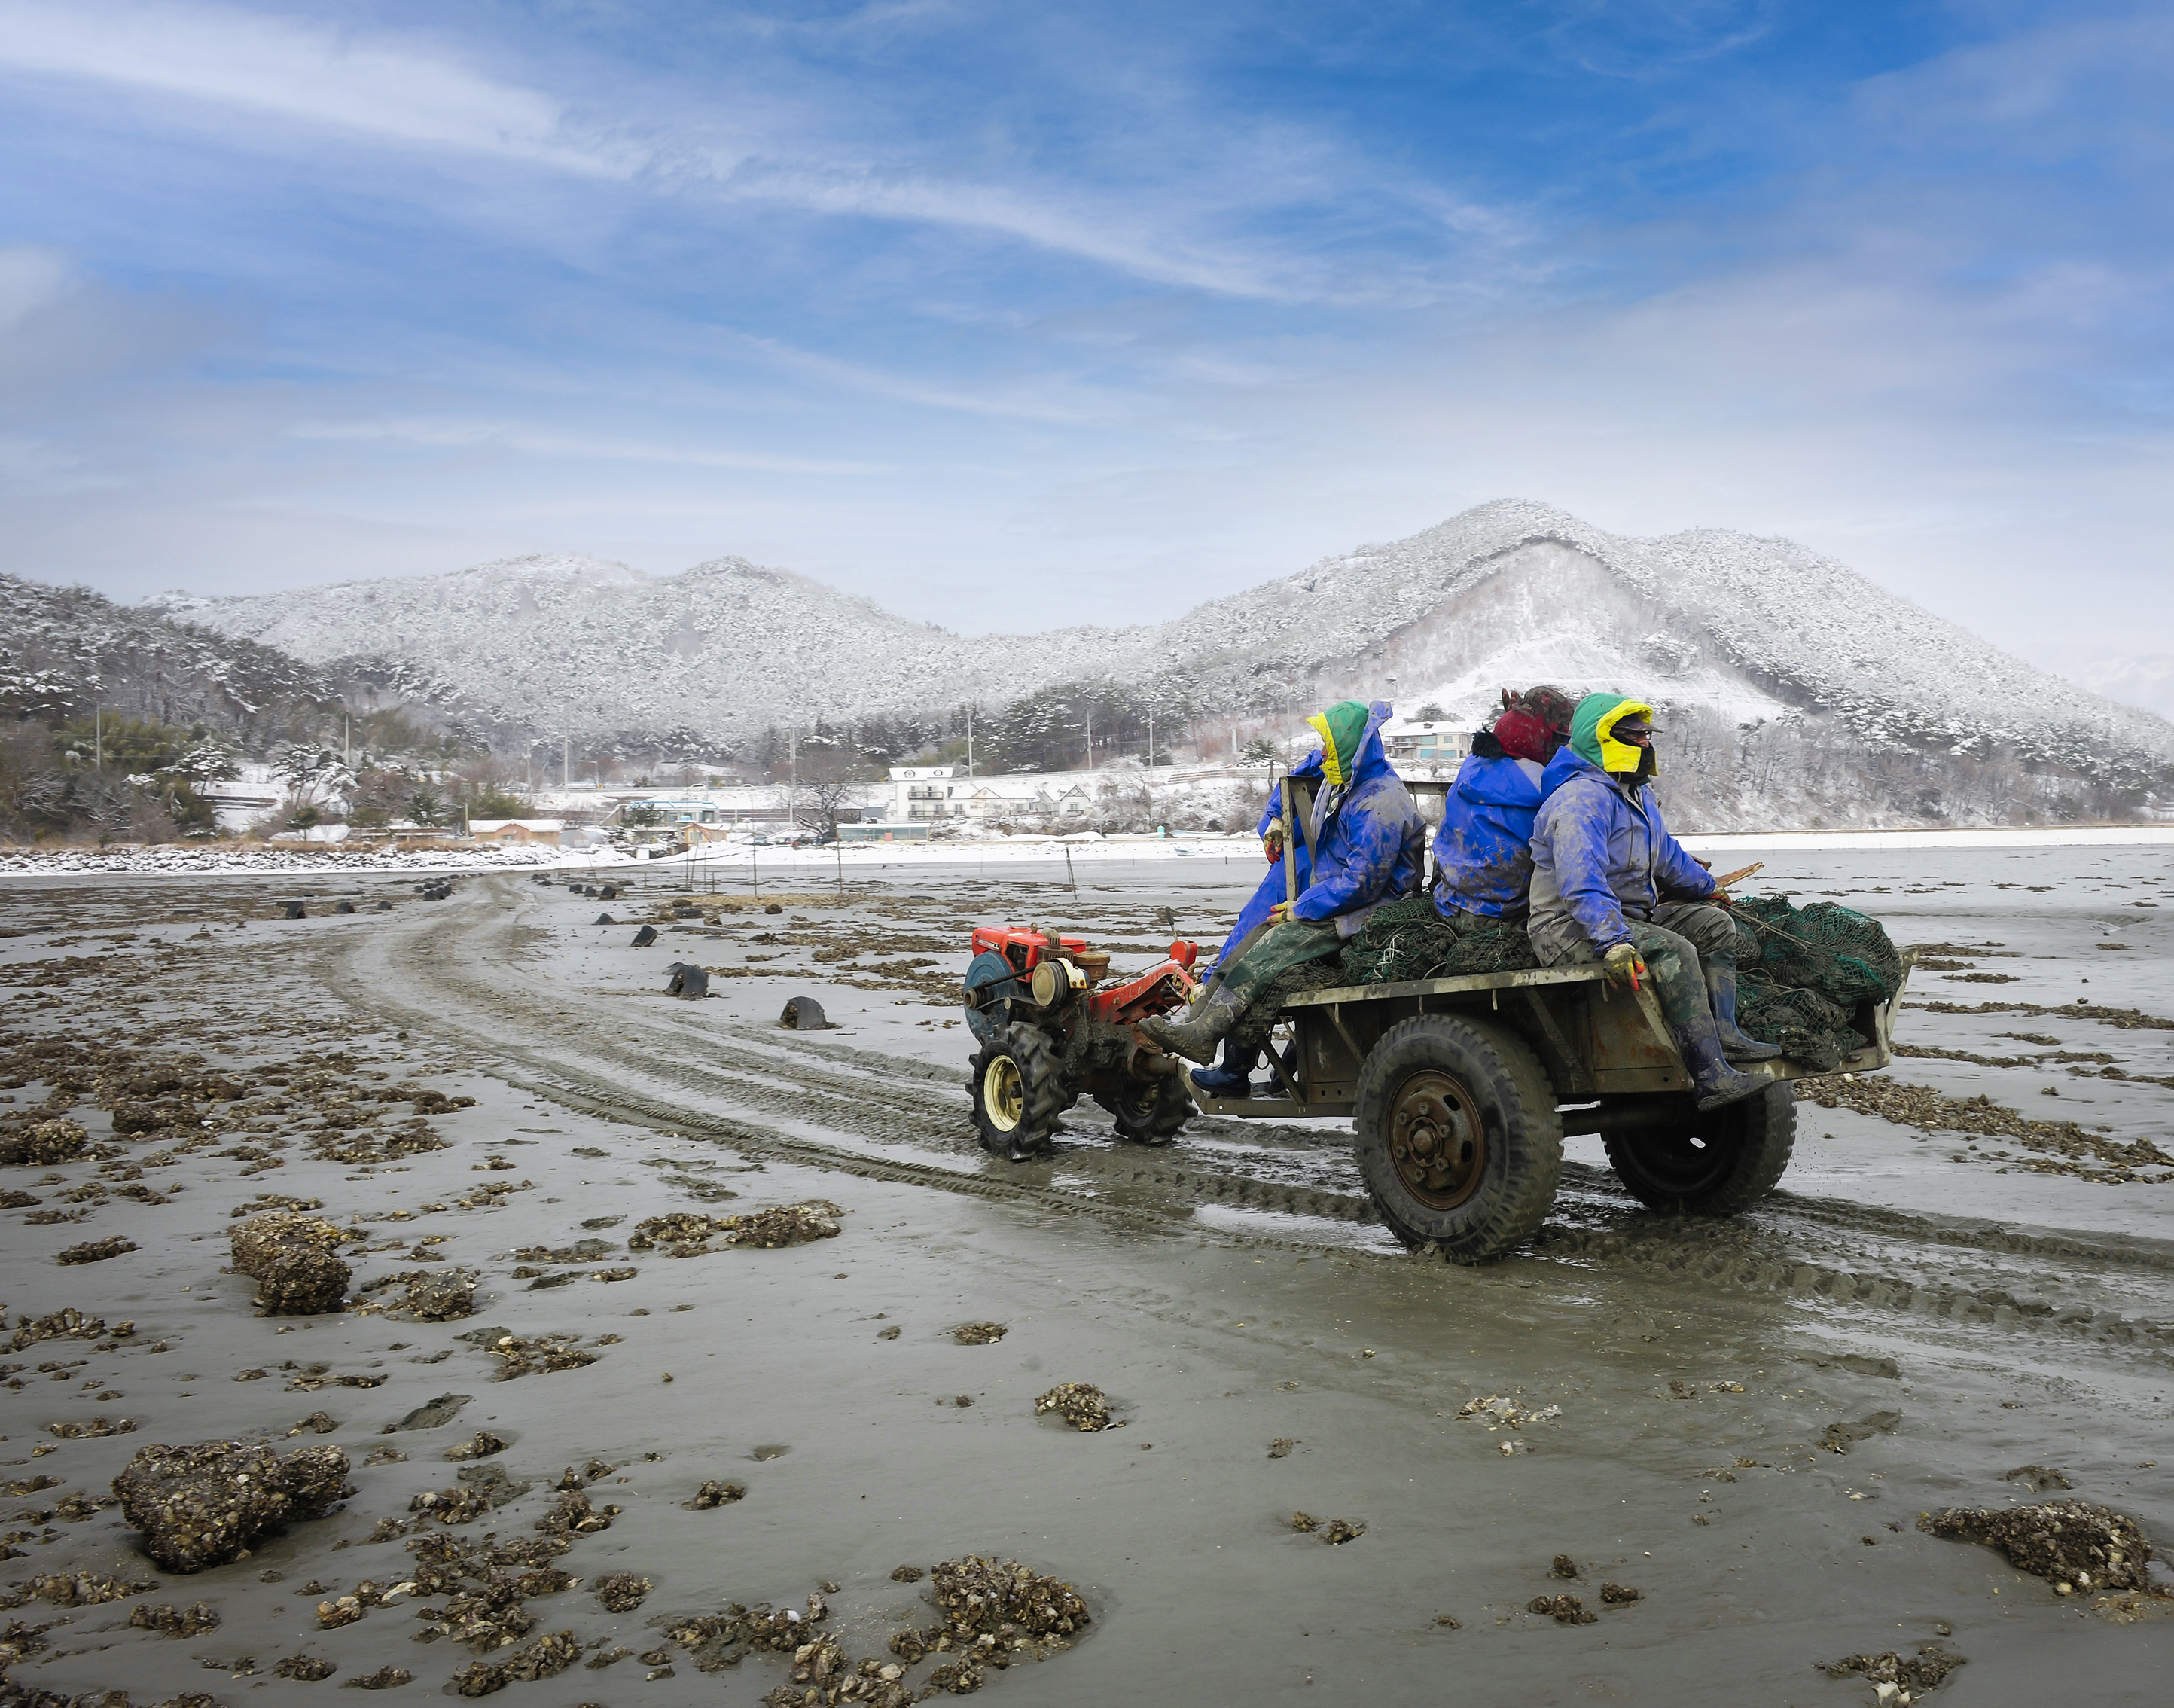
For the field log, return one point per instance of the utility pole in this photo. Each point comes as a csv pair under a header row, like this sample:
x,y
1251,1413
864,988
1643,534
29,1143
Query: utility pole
x,y
793,781
98,737
970,738
1090,738
566,761
1150,734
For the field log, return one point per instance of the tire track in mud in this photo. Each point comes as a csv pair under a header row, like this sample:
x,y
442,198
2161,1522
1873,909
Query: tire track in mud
x,y
1793,1246
580,1073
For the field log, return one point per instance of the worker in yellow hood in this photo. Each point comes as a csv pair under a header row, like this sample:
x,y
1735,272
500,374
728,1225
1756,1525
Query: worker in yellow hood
x,y
1609,884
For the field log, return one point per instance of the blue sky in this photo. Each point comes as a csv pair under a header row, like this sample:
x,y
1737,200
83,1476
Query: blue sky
x,y
1008,315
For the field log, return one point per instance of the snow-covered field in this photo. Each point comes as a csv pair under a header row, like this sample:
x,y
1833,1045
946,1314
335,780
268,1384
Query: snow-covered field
x,y
740,862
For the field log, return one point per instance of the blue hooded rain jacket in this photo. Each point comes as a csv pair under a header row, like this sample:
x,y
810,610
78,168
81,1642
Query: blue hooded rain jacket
x,y
1368,848
1600,851
1483,854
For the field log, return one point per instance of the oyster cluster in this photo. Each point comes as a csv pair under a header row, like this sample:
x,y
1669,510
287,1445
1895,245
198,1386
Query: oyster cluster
x,y
1335,1531
978,1333
207,1504
43,1142
1897,1676
533,1354
72,1589
291,1256
688,1234
622,1591
544,1658
1081,1404
95,1251
996,1614
2072,1544
1564,1609
483,1606
713,1494
1502,1413
69,1324
426,1295
481,1489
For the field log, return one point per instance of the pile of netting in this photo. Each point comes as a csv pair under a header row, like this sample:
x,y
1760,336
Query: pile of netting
x,y
1400,940
1801,972
1408,939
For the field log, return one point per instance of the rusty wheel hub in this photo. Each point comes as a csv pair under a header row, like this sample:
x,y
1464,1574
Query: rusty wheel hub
x,y
1436,1140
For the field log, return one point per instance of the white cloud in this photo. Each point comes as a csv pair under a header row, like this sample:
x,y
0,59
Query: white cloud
x,y
30,279
457,434
302,72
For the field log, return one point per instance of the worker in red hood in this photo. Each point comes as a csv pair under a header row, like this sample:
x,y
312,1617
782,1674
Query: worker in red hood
x,y
1482,855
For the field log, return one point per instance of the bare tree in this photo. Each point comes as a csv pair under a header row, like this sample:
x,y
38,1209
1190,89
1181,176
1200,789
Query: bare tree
x,y
833,777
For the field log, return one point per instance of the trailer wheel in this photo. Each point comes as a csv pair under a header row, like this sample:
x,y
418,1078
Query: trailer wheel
x,y
1018,1092
1459,1137
1149,1111
1718,1164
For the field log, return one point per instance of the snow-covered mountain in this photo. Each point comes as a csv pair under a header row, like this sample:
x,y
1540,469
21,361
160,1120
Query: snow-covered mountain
x,y
1505,594
64,651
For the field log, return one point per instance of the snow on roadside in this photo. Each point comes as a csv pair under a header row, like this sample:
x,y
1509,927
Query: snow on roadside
x,y
199,859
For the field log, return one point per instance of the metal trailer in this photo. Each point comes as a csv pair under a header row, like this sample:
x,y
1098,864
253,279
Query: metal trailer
x,y
1461,1090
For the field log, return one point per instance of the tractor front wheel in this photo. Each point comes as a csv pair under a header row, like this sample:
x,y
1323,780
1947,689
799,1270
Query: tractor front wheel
x,y
1018,1092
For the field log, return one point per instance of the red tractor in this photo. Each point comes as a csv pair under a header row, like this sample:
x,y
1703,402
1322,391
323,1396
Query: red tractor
x,y
1049,1028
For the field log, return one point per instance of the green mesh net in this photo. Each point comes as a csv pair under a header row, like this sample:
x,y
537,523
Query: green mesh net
x,y
1801,972
1408,939
1846,957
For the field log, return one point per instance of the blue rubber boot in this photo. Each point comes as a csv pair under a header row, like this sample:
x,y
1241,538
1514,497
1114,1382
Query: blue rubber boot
x,y
1234,1079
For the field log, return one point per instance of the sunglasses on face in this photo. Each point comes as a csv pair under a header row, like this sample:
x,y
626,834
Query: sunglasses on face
x,y
1634,734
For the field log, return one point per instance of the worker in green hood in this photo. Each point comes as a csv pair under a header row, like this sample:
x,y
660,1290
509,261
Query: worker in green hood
x,y
1362,843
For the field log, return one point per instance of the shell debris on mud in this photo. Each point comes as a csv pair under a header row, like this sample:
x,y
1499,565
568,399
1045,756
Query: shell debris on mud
x,y
1081,1404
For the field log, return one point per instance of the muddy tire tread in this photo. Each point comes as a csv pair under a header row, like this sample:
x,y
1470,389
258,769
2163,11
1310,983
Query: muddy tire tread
x,y
1763,1128
1173,1108
1500,1068
1043,1082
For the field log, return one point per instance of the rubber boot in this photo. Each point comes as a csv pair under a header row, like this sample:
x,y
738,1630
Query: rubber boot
x,y
1721,989
1714,1082
1195,1037
1234,1079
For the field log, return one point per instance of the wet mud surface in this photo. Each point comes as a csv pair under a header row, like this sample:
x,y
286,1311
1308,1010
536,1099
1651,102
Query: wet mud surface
x,y
1851,1440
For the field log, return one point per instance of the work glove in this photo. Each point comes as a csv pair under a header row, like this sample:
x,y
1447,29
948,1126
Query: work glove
x,y
1624,965
1272,846
1280,913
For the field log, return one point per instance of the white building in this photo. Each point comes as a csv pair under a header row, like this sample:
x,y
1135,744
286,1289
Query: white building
x,y
922,793
1420,750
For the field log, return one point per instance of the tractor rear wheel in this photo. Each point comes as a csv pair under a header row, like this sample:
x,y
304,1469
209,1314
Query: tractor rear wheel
x,y
1457,1136
1149,1111
1718,1164
1018,1092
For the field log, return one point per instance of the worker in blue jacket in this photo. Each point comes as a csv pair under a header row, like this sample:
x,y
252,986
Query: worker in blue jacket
x,y
1483,856
1610,884
1368,844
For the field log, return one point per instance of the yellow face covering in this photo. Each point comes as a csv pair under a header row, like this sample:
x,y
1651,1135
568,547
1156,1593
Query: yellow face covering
x,y
1620,757
1330,767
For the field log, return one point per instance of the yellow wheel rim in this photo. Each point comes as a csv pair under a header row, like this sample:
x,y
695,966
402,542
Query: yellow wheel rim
x,y
1003,1094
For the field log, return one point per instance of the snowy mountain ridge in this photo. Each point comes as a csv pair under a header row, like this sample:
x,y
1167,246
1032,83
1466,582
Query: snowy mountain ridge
x,y
67,651
1500,595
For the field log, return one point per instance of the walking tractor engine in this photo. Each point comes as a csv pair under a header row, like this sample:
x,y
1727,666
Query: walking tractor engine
x,y
1052,1025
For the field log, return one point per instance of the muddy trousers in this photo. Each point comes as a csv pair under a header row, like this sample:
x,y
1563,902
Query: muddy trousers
x,y
1276,949
1681,940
